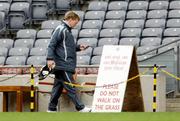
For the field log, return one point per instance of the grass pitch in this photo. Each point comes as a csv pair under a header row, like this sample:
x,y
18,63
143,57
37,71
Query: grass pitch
x,y
76,116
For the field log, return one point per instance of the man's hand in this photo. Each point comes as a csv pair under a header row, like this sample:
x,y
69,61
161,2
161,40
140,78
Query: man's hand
x,y
51,64
83,47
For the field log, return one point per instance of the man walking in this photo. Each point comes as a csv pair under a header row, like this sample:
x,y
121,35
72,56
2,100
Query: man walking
x,y
61,58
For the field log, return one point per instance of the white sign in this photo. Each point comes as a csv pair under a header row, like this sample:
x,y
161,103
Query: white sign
x,y
112,77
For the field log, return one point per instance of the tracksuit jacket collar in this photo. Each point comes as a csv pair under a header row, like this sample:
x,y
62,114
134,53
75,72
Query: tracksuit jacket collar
x,y
66,24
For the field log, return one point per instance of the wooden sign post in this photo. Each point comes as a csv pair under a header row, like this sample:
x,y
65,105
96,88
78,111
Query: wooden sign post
x,y
114,93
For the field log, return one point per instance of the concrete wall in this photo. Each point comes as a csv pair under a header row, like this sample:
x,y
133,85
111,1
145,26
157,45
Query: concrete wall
x,y
147,90
66,105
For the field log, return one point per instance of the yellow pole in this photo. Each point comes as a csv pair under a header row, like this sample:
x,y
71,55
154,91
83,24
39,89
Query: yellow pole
x,y
32,99
154,88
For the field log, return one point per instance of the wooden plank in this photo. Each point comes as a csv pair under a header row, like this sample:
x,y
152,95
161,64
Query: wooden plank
x,y
5,106
133,96
19,101
14,88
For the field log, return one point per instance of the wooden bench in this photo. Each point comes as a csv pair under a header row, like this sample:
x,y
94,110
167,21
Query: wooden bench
x,y
19,96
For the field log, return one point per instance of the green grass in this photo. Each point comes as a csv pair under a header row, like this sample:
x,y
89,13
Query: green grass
x,y
75,116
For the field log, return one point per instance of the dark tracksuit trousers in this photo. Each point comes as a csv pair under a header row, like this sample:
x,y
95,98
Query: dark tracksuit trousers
x,y
60,77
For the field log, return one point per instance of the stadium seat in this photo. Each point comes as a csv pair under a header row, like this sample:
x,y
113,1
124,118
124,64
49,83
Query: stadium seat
x,y
169,39
40,10
38,51
16,21
95,60
26,34
41,42
110,33
92,42
160,4
152,32
157,14
92,33
173,23
2,22
5,7
83,60
36,60
76,3
21,6
174,14
3,51
19,51
92,24
16,60
61,6
116,15
24,43
118,5
97,51
8,43
110,24
108,41
29,1
150,41
138,5
136,14
97,6
172,32
174,4
157,23
44,34
19,15
134,23
50,24
2,60
131,32
130,41
96,15
6,1
86,52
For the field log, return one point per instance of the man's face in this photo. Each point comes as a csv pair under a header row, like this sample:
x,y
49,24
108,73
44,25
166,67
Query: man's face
x,y
73,22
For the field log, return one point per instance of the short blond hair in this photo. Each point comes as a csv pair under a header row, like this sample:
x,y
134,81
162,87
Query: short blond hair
x,y
71,15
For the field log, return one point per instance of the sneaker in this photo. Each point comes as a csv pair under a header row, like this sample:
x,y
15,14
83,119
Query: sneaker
x,y
50,111
85,109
